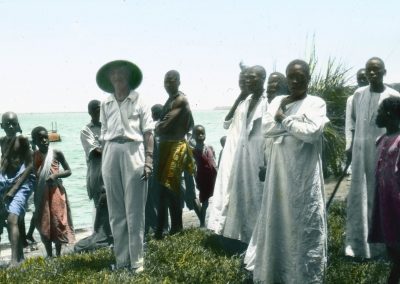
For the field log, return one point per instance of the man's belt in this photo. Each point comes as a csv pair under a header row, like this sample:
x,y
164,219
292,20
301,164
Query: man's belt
x,y
122,140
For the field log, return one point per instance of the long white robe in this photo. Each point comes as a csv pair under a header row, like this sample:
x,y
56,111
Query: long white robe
x,y
237,195
349,126
288,244
361,195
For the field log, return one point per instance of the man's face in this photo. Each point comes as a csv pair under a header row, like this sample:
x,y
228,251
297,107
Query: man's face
x,y
171,84
362,79
297,79
119,78
273,84
199,134
42,141
375,71
10,125
253,81
95,113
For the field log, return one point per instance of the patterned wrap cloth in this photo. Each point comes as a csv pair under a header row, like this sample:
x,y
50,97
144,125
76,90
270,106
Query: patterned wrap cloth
x,y
53,215
175,157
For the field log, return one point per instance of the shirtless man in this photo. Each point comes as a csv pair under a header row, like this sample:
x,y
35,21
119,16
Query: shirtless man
x,y
16,183
175,155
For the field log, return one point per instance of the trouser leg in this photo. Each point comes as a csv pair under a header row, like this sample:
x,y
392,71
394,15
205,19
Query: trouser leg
x,y
135,201
111,170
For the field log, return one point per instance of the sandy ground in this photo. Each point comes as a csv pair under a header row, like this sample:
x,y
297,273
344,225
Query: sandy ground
x,y
189,220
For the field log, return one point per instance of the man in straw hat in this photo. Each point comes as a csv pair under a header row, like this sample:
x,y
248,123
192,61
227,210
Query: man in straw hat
x,y
127,135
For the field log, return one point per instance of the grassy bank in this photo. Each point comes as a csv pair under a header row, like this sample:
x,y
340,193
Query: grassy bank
x,y
193,256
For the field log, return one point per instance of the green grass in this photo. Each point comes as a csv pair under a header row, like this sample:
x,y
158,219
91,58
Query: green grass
x,y
341,269
193,256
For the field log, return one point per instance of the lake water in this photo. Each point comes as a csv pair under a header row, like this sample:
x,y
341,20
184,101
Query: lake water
x,y
69,126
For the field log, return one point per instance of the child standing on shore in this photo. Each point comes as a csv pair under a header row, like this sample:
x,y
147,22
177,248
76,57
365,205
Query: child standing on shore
x,y
386,213
16,183
206,169
52,216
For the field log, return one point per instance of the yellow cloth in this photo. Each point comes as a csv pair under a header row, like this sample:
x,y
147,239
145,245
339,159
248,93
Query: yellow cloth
x,y
175,157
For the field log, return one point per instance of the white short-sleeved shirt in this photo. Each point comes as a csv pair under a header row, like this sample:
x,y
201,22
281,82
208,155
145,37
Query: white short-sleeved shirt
x,y
130,119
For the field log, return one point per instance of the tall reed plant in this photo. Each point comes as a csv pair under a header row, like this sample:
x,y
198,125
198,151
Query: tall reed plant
x,y
332,85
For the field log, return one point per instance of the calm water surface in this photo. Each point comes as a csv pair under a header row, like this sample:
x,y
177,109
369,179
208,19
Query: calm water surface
x,y
69,126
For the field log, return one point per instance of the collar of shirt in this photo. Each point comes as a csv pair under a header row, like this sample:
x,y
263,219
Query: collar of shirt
x,y
132,97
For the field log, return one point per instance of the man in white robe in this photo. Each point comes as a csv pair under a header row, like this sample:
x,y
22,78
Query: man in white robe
x,y
238,190
361,82
360,199
288,244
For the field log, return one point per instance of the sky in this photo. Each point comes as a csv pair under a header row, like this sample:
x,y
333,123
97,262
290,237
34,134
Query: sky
x,y
50,51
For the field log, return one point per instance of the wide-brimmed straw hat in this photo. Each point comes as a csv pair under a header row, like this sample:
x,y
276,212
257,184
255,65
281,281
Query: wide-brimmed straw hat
x,y
103,80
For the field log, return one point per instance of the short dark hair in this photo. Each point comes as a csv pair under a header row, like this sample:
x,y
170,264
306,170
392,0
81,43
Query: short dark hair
x,y
197,126
360,70
156,110
392,105
92,105
260,70
35,133
376,59
283,86
302,63
173,73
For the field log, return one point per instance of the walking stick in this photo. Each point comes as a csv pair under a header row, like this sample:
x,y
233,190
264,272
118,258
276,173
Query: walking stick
x,y
337,185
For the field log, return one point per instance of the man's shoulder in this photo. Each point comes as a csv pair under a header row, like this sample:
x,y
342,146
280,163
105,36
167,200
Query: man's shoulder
x,y
361,91
85,128
181,100
391,92
182,96
21,137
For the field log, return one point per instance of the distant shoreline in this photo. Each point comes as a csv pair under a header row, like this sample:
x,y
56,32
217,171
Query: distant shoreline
x,y
222,108
83,112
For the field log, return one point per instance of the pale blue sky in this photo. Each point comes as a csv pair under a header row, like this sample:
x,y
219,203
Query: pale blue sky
x,y
50,51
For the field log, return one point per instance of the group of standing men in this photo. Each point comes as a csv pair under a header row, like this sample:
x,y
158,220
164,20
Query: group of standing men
x,y
120,141
269,191
283,219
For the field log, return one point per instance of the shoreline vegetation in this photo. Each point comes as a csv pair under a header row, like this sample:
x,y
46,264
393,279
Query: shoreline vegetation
x,y
192,256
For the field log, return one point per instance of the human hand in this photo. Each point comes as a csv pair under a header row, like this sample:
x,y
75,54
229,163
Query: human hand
x,y
279,115
147,171
262,172
8,196
102,199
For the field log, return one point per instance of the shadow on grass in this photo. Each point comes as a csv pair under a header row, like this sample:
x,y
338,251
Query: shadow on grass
x,y
223,246
94,261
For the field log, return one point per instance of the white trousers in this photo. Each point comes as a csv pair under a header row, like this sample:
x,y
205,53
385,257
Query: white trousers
x,y
122,168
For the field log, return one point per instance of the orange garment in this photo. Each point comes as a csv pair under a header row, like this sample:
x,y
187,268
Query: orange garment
x,y
53,215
